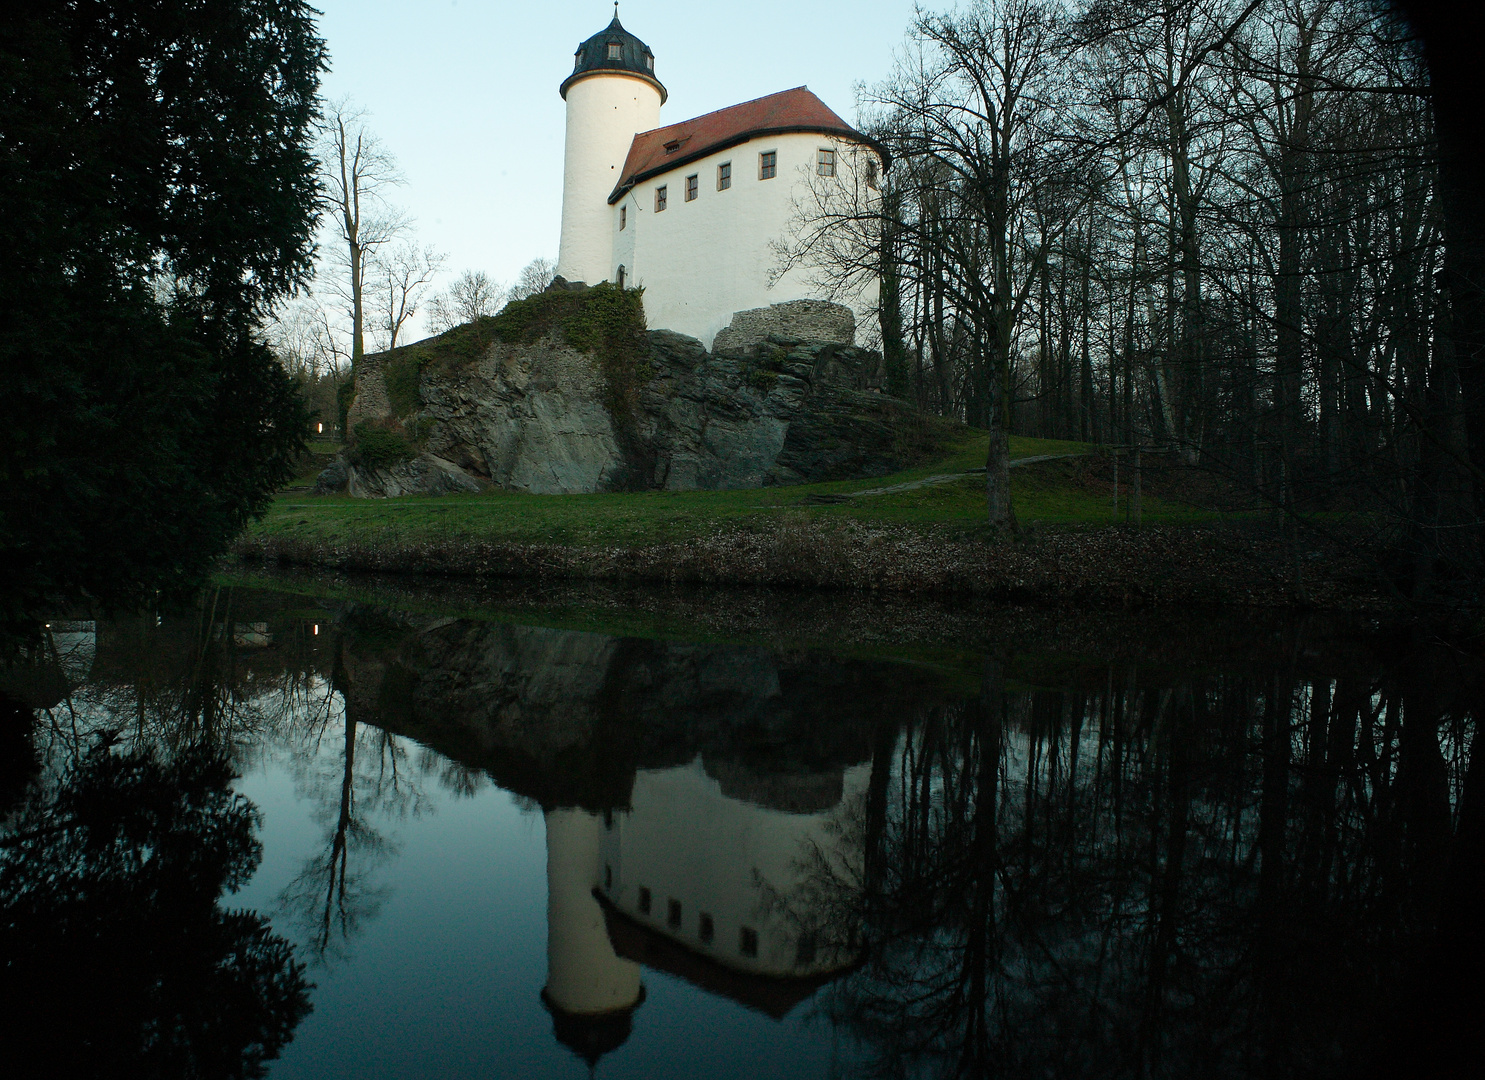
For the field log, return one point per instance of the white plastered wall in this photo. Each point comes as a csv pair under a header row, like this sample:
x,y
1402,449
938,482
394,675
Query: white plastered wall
x,y
584,975
701,261
604,112
684,840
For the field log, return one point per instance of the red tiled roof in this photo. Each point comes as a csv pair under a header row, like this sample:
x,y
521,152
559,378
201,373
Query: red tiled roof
x,y
787,111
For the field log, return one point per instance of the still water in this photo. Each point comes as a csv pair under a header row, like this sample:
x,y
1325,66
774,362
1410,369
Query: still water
x,y
330,833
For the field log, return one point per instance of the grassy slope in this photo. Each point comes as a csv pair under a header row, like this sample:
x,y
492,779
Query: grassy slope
x,y
1045,493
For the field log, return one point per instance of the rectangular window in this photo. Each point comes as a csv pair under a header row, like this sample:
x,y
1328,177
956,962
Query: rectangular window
x,y
724,176
673,916
705,928
692,186
825,162
748,941
623,222
804,953
768,164
615,50
608,877
871,173
644,901
660,198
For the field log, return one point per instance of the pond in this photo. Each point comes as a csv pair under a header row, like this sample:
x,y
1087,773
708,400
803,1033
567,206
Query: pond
x,y
322,828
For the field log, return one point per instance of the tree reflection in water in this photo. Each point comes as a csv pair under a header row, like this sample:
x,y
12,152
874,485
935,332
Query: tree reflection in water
x,y
119,959
1244,866
1232,876
333,895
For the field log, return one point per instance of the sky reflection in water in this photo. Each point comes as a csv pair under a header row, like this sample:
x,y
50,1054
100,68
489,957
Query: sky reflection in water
x,y
446,978
813,865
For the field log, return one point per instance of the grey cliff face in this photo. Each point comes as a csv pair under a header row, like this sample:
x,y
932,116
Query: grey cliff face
x,y
529,417
424,474
785,399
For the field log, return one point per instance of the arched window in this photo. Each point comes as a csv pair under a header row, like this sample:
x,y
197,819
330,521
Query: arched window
x,y
620,276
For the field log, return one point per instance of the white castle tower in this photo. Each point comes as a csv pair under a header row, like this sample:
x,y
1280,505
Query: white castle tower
x,y
590,992
612,95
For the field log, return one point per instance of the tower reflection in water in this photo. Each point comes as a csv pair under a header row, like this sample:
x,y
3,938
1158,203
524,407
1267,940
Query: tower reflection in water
x,y
1228,853
695,883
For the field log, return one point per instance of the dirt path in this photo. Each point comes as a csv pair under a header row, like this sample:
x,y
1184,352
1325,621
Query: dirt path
x,y
931,481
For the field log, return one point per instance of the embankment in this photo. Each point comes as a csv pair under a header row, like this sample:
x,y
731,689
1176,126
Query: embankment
x,y
1227,565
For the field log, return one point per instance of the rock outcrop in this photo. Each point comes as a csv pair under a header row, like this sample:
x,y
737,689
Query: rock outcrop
x,y
784,399
424,474
566,717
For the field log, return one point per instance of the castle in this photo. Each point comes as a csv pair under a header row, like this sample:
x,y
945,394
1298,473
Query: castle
x,y
694,212
711,888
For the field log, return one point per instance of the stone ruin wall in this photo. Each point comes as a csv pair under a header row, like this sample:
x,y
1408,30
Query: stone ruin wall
x,y
812,321
371,401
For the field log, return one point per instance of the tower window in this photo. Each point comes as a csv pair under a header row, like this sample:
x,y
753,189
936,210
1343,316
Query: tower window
x,y
705,928
619,277
747,941
673,916
644,901
871,172
615,50
608,876
804,953
724,176
660,198
623,218
825,162
650,61
691,187
768,164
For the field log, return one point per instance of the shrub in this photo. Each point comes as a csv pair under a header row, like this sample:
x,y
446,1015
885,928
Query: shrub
x,y
377,448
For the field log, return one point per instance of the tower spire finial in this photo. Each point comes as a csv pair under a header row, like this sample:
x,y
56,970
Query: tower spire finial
x,y
616,9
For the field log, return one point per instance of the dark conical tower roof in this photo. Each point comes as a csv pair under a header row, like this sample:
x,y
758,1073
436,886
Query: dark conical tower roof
x,y
599,55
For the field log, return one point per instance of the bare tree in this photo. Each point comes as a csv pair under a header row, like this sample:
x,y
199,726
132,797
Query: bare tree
x,y
975,104
357,174
402,275
534,277
295,335
474,295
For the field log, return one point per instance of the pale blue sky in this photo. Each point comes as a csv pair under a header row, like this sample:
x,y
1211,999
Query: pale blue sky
x,y
464,92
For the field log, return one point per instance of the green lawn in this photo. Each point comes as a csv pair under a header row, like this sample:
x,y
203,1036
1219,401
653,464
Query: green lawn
x,y
1041,493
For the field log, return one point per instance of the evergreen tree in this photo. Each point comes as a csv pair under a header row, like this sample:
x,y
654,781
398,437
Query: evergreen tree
x,y
158,185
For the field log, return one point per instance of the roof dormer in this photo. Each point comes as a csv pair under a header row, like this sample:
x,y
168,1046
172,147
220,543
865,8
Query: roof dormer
x,y
617,51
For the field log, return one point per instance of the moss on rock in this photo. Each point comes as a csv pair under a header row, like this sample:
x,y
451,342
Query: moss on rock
x,y
605,321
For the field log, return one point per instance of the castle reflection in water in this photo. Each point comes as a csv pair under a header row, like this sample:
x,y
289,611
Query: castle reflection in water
x,y
690,793
1188,827
696,883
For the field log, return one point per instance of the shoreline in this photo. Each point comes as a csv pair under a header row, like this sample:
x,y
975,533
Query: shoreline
x,y
1107,567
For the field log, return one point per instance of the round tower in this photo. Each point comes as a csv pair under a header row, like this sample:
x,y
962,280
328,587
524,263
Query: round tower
x,y
612,94
591,992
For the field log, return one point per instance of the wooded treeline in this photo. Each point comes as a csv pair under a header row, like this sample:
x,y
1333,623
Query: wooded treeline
x,y
1208,225
1230,876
